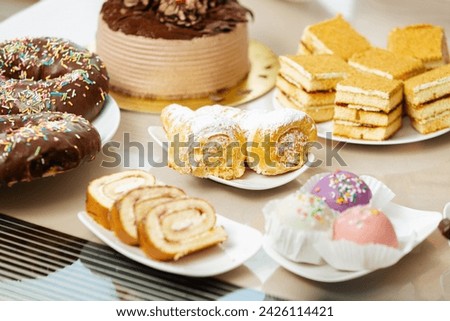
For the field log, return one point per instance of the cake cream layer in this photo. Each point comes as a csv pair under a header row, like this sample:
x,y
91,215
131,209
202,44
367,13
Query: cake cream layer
x,y
295,92
432,124
370,91
302,50
318,113
357,131
432,109
314,72
428,86
365,117
173,68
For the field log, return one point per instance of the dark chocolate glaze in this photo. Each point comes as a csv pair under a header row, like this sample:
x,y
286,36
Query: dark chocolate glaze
x,y
145,21
51,74
444,227
39,145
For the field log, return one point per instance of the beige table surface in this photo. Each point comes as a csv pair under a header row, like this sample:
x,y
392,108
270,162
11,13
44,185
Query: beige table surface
x,y
419,173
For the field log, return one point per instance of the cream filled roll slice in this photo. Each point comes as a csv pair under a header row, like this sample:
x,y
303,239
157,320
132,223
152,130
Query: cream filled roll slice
x,y
213,146
204,144
179,227
133,206
103,192
174,117
278,141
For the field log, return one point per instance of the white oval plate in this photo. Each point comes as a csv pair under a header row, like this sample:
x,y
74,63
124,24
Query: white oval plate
x,y
250,180
107,122
404,219
212,261
406,135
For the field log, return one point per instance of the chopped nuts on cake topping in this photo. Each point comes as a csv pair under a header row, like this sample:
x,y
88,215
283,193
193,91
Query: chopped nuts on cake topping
x,y
182,12
132,3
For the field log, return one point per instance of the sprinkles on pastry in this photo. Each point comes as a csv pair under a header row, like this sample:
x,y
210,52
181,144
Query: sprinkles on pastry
x,y
51,74
342,190
44,144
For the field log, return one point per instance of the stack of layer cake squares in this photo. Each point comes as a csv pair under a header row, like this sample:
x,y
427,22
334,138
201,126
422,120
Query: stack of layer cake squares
x,y
337,75
368,107
308,82
428,100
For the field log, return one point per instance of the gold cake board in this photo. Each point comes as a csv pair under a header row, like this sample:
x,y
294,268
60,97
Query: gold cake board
x,y
260,80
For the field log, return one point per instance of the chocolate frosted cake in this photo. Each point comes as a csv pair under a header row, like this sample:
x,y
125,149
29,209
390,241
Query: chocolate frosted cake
x,y
173,49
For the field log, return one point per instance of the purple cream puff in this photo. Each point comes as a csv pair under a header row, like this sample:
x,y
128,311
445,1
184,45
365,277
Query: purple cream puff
x,y
342,190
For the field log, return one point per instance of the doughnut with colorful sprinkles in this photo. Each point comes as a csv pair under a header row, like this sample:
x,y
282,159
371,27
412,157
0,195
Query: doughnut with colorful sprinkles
x,y
51,74
44,144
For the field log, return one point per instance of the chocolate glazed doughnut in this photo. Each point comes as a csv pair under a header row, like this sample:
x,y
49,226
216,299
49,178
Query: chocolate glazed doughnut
x,y
50,74
44,144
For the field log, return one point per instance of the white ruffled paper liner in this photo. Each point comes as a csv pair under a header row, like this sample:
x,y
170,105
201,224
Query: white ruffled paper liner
x,y
294,244
350,256
381,194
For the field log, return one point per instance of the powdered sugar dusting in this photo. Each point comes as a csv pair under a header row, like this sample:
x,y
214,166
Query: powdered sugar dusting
x,y
224,111
281,117
215,118
175,115
206,125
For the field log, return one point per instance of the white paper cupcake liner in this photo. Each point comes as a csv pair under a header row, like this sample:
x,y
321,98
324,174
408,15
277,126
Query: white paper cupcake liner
x,y
294,244
381,194
350,256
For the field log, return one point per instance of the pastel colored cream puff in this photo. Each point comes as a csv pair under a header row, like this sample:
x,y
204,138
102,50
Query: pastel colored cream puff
x,y
342,190
365,225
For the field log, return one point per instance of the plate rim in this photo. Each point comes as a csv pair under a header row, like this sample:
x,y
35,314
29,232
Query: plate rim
x,y
168,267
390,141
110,111
348,275
278,179
287,264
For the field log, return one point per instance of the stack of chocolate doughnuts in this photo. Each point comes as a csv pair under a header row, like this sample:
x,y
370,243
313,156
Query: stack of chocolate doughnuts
x,y
50,89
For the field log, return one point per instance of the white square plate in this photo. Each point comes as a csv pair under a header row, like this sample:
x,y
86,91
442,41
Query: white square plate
x,y
242,243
